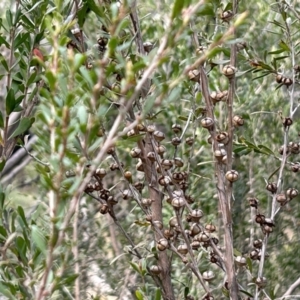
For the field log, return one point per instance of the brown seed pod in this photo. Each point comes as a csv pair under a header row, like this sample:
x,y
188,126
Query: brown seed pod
x,y
114,167
202,237
208,276
254,254
168,233
176,128
241,261
159,135
294,147
232,175
194,75
148,46
128,175
271,187
195,245
157,224
146,202
167,164
156,270
151,129
164,180
189,199
257,244
210,228
141,127
111,200
281,150
281,198
140,166
104,209
151,156
229,71
196,215
126,194
190,141
178,162
177,176
110,150
100,172
260,219
135,152
287,122
279,78
253,202
295,167
267,229
237,121
269,222
219,154
227,15
161,150
207,122
162,244
182,249
173,222
178,203
195,229
222,137
292,193
287,81
131,133
201,50
139,186
261,282
176,141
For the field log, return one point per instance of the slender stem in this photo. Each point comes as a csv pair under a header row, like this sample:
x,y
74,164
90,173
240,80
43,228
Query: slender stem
x,y
76,253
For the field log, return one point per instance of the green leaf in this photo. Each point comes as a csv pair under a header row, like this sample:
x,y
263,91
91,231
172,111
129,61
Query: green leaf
x,y
246,293
284,46
82,14
3,62
20,210
249,264
51,79
3,41
158,294
2,198
186,291
10,101
95,8
3,231
225,292
28,22
135,267
4,290
9,18
24,125
206,10
177,8
20,38
139,295
38,238
2,163
1,120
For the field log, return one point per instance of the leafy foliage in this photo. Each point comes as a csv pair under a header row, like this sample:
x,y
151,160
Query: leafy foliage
x,y
116,93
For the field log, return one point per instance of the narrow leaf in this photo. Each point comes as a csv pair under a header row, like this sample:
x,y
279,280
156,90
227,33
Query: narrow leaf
x,y
38,238
24,125
10,101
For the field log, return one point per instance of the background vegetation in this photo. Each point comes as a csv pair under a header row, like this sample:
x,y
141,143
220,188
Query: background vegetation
x,y
149,150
